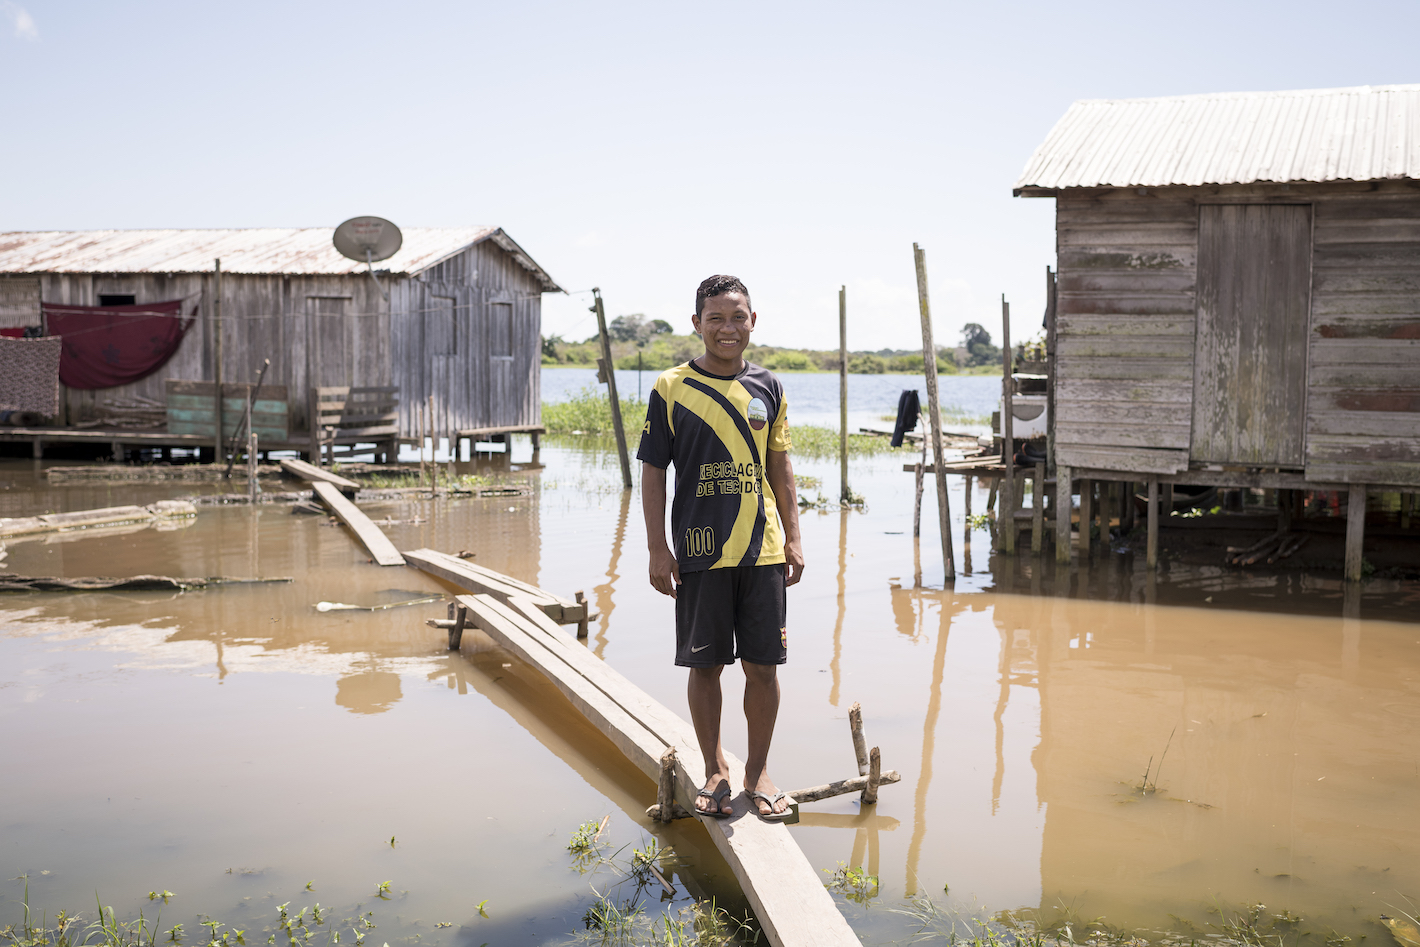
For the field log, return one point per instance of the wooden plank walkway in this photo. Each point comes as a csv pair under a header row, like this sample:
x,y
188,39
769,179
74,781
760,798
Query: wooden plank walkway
x,y
313,474
368,533
786,893
477,579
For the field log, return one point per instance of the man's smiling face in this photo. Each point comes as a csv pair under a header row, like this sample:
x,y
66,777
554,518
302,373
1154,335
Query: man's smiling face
x,y
725,324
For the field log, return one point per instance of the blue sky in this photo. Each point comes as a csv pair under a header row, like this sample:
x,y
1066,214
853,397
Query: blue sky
x,y
637,147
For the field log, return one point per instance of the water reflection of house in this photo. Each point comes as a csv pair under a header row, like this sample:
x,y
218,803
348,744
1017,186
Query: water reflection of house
x,y
461,324
1239,288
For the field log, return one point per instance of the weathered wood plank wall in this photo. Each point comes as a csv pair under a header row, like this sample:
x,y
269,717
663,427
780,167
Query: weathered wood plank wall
x,y
1363,405
1124,329
472,340
1127,327
467,331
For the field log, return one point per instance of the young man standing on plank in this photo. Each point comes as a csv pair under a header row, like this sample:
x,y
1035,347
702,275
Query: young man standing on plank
x,y
735,530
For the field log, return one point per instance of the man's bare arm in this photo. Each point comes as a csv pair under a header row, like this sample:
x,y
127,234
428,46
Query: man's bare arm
x,y
780,472
665,572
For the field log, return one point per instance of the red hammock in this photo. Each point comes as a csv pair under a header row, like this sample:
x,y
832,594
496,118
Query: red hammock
x,y
107,346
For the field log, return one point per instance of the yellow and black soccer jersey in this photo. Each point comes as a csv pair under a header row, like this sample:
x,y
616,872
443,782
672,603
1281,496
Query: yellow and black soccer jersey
x,y
718,431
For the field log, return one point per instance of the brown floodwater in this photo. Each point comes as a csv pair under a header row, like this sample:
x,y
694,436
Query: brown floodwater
x,y
232,744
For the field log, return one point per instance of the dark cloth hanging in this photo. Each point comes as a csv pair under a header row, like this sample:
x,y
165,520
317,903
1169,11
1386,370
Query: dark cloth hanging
x,y
107,346
909,406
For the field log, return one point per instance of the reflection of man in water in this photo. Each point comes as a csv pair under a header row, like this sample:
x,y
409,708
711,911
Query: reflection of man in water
x,y
735,525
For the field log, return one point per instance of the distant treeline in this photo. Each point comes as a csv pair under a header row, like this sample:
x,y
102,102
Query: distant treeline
x,y
653,346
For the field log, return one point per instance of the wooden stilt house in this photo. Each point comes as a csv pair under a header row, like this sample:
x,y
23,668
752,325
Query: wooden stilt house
x,y
454,316
1238,294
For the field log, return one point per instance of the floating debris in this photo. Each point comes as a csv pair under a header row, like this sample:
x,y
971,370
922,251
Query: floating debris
x,y
343,607
133,583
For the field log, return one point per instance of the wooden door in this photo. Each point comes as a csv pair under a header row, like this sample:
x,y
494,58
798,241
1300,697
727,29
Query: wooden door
x,y
330,334
501,394
1250,351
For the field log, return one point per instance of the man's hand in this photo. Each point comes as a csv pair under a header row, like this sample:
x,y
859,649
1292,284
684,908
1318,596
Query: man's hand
x,y
665,571
793,563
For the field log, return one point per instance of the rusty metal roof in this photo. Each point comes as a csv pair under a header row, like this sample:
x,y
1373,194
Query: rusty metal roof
x,y
1366,133
304,250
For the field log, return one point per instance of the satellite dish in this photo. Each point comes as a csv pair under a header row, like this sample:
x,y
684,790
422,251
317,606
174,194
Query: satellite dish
x,y
368,239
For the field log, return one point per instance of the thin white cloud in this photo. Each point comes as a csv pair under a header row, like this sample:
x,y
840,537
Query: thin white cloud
x,y
24,23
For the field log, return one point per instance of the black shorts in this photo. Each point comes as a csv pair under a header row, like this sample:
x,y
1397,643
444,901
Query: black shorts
x,y
725,614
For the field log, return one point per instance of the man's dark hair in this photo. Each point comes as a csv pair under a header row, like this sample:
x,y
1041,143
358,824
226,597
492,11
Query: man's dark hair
x,y
717,286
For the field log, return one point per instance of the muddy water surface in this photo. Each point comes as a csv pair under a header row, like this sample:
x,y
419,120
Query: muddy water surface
x,y
232,744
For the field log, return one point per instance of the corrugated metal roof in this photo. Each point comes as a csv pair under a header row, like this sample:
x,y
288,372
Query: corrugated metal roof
x,y
1366,133
304,250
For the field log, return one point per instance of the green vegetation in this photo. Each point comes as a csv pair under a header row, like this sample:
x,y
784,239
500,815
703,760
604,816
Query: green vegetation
x,y
589,412
650,348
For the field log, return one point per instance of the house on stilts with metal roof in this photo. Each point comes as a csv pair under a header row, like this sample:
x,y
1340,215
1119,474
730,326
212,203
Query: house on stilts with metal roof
x,y
445,334
1237,301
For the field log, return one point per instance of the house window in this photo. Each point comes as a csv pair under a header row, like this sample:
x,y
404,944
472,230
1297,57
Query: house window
x,y
117,299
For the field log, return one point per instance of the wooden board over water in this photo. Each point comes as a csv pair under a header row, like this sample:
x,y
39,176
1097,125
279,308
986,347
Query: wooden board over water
x,y
312,474
368,533
786,893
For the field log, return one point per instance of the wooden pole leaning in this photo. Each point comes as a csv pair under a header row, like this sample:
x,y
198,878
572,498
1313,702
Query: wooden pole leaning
x,y
934,412
844,494
609,369
1009,499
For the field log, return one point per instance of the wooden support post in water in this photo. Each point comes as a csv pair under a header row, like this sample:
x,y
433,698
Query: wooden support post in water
x,y
860,745
1087,506
1062,513
460,617
934,413
1166,500
1355,530
618,430
1037,510
875,776
1407,502
1008,442
1102,508
665,786
917,501
844,494
581,599
253,488
1152,543
219,447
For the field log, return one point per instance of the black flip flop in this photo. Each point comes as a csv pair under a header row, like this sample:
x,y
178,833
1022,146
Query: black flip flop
x,y
717,798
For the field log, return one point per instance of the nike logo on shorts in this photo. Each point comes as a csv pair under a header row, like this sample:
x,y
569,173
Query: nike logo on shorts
x,y
701,648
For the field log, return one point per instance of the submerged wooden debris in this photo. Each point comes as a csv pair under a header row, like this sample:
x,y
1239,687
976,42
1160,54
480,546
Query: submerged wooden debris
x,y
147,473
132,583
15,527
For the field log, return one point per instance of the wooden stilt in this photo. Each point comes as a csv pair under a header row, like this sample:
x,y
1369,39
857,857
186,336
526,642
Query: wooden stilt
x,y
460,617
991,496
1062,513
1407,501
1037,510
860,745
581,599
875,776
253,489
1102,509
917,503
1167,500
1152,544
665,788
1087,506
1355,530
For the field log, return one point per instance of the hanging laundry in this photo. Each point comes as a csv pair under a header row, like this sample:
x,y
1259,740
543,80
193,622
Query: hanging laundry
x,y
107,346
29,375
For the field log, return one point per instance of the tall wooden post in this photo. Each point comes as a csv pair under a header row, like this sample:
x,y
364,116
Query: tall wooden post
x,y
609,371
934,412
1008,441
1355,530
844,494
1087,502
1037,509
218,444
1050,374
